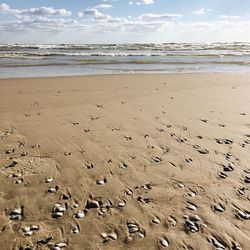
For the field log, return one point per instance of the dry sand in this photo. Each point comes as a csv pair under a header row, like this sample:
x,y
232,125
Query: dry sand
x,y
125,162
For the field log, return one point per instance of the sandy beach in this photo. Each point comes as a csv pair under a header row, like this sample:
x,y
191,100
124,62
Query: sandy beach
x,y
125,162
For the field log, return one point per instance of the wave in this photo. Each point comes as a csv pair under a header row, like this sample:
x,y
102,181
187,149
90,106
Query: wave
x,y
114,62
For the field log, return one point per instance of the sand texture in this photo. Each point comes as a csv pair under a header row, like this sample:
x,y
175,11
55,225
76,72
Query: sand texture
x,y
125,162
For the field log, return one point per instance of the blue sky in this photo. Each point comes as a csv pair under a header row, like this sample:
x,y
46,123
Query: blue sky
x,y
123,21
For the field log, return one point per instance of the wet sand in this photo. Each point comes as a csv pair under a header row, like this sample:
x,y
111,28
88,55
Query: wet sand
x,y
125,162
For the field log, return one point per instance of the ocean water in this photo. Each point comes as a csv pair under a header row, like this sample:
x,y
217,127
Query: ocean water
x,y
31,60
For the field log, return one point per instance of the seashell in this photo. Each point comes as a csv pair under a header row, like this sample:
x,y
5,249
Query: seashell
x,y
181,185
17,175
191,226
61,245
219,208
52,190
132,228
247,179
26,229
121,203
79,215
172,221
100,182
29,233
217,244
57,214
92,204
75,231
104,235
16,214
49,180
113,236
243,215
34,228
191,206
195,218
164,242
156,220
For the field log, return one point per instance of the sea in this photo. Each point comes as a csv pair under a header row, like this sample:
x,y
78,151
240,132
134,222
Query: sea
x,y
40,60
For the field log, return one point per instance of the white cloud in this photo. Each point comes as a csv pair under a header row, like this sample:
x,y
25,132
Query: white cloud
x,y
159,17
147,2
228,17
201,11
41,11
103,6
143,2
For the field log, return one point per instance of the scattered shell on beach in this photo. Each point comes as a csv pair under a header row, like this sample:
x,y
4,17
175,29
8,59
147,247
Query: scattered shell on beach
x,y
28,231
217,244
121,203
245,215
191,226
16,214
164,242
58,246
219,208
53,189
101,181
92,204
247,179
49,180
191,206
229,167
224,141
132,227
80,215
172,221
58,210
156,220
109,236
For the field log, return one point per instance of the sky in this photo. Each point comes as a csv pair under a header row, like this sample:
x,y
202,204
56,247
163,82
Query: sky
x,y
124,21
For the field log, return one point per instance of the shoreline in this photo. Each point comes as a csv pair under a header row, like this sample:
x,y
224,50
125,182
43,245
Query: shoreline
x,y
127,74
